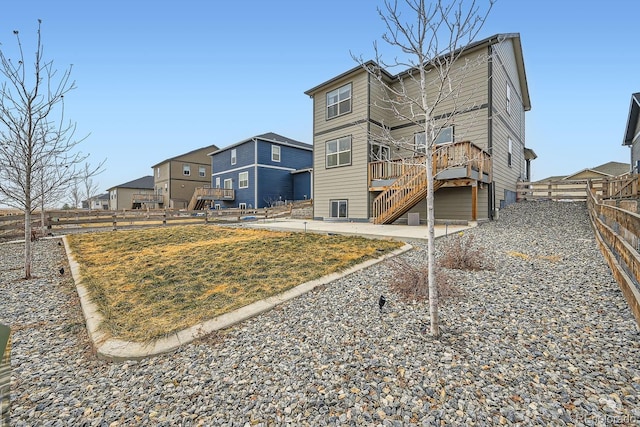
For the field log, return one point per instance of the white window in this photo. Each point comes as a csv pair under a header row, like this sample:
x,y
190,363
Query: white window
x,y
228,183
243,180
216,206
186,169
445,136
339,101
157,172
379,152
275,153
217,182
508,99
339,152
338,208
242,205
202,171
509,154
234,157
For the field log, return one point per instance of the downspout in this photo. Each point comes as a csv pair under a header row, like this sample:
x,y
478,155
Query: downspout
x,y
492,188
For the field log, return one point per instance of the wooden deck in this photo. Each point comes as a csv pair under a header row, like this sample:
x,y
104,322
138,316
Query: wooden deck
x,y
202,194
402,183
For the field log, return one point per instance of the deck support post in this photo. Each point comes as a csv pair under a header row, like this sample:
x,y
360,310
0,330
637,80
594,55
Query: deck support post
x,y
474,201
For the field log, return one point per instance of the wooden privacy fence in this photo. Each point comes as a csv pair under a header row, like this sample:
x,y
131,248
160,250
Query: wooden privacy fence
x,y
617,232
620,187
559,190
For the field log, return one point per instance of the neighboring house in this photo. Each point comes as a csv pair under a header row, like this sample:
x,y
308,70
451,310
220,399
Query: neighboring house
x,y
605,170
132,195
351,182
632,132
176,179
99,202
259,172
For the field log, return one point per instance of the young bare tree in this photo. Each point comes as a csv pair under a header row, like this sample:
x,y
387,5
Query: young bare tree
x,y
90,187
38,148
431,39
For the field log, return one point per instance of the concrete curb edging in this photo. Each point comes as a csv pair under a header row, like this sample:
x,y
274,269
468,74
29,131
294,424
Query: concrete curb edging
x,y
114,349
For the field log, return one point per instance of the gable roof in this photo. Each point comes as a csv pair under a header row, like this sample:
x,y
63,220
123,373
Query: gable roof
x,y
632,121
609,169
269,137
210,148
495,39
103,196
146,183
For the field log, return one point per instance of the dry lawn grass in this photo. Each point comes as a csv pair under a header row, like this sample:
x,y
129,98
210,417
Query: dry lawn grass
x,y
153,282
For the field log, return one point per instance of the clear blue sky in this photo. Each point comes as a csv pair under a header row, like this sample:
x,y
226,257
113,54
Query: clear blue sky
x,y
159,78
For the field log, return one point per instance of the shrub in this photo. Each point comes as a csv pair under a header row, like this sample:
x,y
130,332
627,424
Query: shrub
x,y
411,283
459,252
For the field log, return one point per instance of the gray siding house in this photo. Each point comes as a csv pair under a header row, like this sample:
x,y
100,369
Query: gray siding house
x,y
632,132
357,177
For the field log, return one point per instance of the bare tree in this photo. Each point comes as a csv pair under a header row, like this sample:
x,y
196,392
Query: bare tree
x,y
90,187
75,194
38,148
431,40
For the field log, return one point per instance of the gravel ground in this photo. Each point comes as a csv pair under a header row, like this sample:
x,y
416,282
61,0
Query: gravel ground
x,y
545,338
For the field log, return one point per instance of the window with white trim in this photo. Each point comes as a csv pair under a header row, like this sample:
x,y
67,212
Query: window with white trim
x,y
186,169
157,172
379,152
228,184
243,180
242,205
445,136
234,156
338,152
217,182
338,208
510,153
216,206
275,153
202,171
339,101
508,99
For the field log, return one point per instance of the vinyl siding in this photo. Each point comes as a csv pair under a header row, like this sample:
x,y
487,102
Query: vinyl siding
x,y
344,182
453,203
273,185
635,153
302,186
245,155
635,147
161,183
472,121
506,125
290,157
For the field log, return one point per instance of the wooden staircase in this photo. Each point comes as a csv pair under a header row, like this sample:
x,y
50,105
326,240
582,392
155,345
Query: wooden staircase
x,y
203,194
403,194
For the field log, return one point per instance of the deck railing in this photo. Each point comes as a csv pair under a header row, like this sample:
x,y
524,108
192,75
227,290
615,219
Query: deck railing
x,y
207,193
446,156
147,198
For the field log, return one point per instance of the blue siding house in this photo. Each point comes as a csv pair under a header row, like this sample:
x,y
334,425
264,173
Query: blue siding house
x,y
262,171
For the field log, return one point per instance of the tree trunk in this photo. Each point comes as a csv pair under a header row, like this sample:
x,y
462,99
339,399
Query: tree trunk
x,y
431,252
27,243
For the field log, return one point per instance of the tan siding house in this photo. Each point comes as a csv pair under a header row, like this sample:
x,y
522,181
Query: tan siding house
x,y
176,179
132,194
481,151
